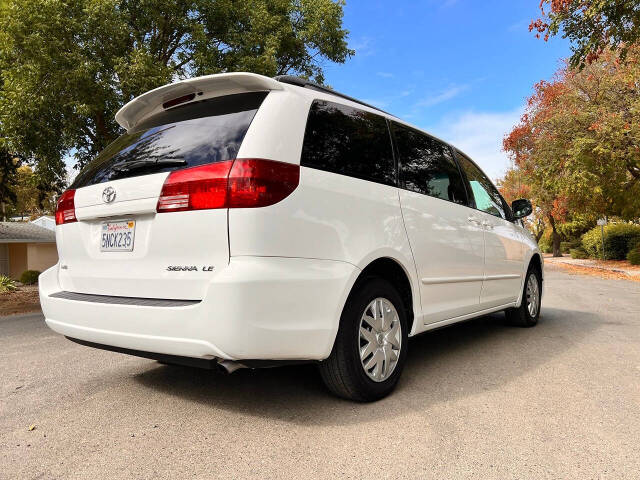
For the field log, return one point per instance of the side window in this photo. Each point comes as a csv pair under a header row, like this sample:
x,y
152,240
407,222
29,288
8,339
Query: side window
x,y
485,194
348,141
427,167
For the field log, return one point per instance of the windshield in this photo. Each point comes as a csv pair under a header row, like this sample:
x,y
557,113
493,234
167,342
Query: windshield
x,y
208,131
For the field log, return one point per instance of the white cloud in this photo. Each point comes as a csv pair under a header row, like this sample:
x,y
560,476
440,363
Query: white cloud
x,y
363,47
443,96
480,135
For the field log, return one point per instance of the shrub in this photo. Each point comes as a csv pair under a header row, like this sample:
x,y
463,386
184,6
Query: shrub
x,y
578,252
618,238
545,246
566,247
579,225
29,277
634,256
545,242
6,284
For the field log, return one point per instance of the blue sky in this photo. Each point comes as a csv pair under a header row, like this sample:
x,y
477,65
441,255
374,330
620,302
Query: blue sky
x,y
461,69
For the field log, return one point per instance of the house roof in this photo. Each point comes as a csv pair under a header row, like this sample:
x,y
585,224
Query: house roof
x,y
16,232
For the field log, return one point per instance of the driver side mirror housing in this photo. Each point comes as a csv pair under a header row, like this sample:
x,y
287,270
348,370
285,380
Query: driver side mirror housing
x,y
521,208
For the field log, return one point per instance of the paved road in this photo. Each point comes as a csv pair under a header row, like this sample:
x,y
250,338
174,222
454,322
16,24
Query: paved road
x,y
478,400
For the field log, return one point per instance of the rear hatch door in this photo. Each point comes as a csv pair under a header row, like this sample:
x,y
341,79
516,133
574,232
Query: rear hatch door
x,y
120,245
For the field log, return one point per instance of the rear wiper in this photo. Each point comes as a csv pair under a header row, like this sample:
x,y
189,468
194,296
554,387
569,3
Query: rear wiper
x,y
127,166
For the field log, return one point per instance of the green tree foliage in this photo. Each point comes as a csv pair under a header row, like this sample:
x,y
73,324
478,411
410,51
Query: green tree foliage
x,y
34,196
68,65
592,26
8,176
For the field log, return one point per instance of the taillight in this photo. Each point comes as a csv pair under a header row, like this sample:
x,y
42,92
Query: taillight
x,y
65,208
241,183
260,183
196,188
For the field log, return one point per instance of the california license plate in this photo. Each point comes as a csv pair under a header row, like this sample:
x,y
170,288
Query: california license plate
x,y
117,236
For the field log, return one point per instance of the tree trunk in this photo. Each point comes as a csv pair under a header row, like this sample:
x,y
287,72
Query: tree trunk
x,y
555,238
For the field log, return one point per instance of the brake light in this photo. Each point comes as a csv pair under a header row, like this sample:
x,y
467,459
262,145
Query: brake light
x,y
196,188
66,208
260,183
240,183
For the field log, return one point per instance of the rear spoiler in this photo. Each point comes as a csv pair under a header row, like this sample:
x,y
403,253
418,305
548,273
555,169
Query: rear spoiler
x,y
150,103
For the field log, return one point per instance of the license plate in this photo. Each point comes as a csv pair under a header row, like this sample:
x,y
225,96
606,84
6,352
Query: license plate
x,y
117,236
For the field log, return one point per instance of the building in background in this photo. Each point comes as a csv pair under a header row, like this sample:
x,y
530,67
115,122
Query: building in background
x,y
46,221
26,246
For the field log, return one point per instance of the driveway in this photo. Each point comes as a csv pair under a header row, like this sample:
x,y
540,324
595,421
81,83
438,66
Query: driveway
x,y
477,400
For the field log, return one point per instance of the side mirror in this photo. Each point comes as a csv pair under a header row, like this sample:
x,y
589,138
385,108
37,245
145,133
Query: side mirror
x,y
521,208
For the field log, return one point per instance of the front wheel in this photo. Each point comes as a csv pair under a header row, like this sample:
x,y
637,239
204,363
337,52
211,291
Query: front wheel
x,y
527,314
371,345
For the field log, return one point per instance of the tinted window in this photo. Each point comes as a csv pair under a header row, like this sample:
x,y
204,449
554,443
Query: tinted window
x,y
426,166
485,194
185,136
348,141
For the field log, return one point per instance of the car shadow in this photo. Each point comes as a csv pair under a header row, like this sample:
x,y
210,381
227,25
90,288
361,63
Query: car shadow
x,y
442,365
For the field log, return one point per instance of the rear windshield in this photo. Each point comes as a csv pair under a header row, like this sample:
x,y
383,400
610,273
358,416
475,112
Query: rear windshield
x,y
186,136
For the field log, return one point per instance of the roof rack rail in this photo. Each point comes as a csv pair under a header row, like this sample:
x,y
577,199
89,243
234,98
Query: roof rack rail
x,y
302,82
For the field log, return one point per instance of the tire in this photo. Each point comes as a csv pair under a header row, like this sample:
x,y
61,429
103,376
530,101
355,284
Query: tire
x,y
523,316
344,372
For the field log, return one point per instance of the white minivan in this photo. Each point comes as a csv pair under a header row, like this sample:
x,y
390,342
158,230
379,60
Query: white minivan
x,y
247,221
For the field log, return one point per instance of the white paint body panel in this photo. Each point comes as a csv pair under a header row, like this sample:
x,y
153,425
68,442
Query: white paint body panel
x,y
448,252
281,273
504,258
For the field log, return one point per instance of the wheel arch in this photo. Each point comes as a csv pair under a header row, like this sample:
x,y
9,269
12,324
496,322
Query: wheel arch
x,y
395,273
536,261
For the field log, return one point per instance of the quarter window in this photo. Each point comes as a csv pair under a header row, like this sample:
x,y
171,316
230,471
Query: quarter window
x,y
486,196
427,167
348,141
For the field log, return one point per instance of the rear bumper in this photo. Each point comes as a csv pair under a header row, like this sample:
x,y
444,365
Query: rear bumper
x,y
257,308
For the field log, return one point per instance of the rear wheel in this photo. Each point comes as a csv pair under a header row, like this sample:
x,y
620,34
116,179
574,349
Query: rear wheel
x,y
527,314
371,345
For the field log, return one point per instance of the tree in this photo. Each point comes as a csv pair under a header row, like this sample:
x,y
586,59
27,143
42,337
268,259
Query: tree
x,y
514,186
68,65
26,201
529,147
592,26
578,143
8,172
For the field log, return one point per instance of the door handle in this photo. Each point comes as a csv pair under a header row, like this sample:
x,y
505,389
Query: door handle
x,y
473,220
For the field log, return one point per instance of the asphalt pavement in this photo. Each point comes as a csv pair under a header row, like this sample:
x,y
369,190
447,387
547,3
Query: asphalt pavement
x,y
476,400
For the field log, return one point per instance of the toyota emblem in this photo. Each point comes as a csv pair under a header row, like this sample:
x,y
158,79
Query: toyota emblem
x,y
109,195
